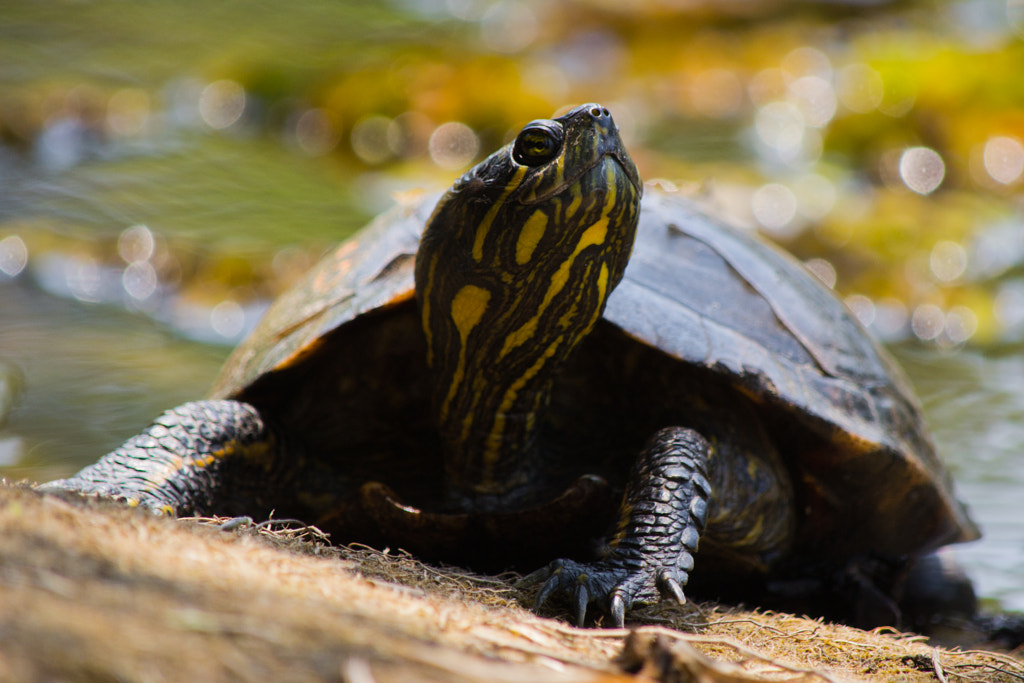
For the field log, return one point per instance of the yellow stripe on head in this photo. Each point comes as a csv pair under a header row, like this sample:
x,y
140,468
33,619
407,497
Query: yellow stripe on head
x,y
594,235
602,282
530,236
574,203
468,307
485,224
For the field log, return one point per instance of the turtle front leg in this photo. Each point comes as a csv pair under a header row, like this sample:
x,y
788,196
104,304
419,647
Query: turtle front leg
x,y
663,514
197,459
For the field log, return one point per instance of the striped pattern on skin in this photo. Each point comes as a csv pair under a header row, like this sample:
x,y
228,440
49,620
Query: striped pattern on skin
x,y
509,288
484,229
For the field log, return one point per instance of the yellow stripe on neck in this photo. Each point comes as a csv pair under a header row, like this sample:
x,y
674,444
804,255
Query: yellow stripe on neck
x,y
496,439
595,234
468,307
425,309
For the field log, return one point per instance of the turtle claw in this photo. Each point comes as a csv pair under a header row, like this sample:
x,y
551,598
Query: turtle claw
x,y
552,572
649,558
581,598
618,611
613,586
671,588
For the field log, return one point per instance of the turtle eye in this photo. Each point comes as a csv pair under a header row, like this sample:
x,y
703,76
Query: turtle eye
x,y
537,143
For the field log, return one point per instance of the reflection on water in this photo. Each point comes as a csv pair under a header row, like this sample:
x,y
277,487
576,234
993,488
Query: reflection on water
x,y
89,377
975,406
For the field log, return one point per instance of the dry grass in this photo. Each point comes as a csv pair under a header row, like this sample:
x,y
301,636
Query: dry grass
x,y
94,592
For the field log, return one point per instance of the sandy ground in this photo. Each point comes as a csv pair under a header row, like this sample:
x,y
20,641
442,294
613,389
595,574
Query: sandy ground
x,y
90,591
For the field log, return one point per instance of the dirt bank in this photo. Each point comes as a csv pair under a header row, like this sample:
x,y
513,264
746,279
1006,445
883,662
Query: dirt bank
x,y
95,592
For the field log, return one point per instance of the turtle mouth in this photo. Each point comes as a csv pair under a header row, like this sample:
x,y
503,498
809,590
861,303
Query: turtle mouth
x,y
611,146
609,149
628,168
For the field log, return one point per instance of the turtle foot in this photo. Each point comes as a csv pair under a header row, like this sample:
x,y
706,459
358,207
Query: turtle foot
x,y
662,515
615,586
204,457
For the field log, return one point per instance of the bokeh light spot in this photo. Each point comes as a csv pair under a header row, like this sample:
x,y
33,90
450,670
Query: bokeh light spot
x,y
922,169
862,308
807,61
508,26
927,322
780,125
139,280
860,87
961,324
408,134
774,206
13,255
453,145
815,99
227,319
315,133
222,103
83,279
1004,159
898,99
370,139
136,244
128,112
823,270
948,260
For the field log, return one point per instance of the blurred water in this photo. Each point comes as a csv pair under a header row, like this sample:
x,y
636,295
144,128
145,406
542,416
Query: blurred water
x,y
83,378
975,405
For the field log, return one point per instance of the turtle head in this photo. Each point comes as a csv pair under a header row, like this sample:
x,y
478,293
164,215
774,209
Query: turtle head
x,y
513,271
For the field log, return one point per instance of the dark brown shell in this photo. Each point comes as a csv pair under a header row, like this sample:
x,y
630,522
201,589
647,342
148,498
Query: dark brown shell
x,y
373,270
710,296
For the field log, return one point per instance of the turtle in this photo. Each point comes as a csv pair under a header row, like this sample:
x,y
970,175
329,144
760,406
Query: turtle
x,y
550,369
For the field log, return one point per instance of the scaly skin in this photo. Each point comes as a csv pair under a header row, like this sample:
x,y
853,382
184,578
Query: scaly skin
x,y
663,514
193,460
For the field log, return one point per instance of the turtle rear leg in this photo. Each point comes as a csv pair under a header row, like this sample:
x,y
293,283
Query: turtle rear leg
x,y
662,517
201,458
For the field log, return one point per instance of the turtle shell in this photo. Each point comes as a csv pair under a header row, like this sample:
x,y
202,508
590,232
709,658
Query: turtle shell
x,y
697,295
